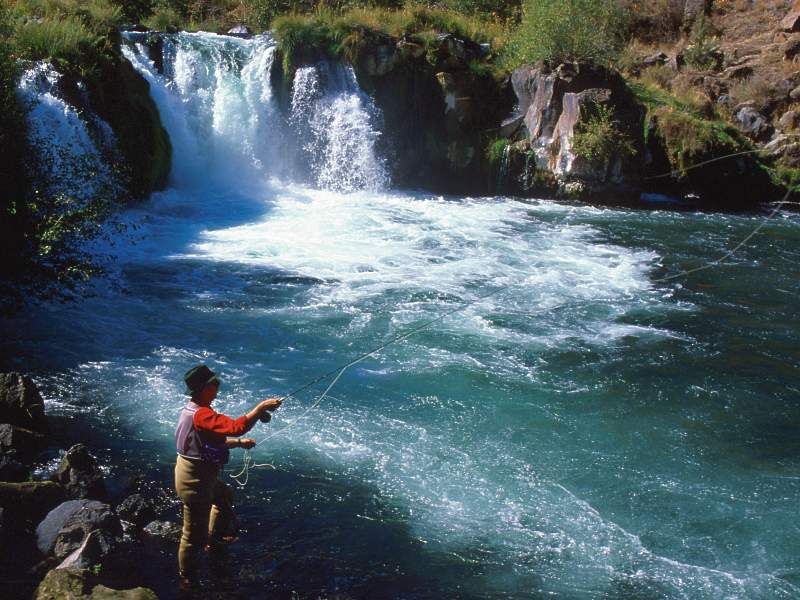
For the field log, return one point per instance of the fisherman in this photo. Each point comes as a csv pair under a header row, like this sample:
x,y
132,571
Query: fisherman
x,y
204,438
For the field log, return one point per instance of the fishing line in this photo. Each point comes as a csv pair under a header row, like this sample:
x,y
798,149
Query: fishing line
x,y
243,476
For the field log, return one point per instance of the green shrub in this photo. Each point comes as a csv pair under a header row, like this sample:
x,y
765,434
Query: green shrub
x,y
703,50
496,151
598,136
567,30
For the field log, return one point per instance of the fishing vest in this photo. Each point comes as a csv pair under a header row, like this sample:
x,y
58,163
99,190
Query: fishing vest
x,y
194,444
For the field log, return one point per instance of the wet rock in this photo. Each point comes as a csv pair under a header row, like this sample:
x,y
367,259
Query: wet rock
x,y
21,404
101,592
555,102
79,474
791,22
138,27
752,123
155,50
30,500
12,470
76,584
23,441
63,584
378,60
65,527
242,31
137,510
166,530
455,53
95,547
410,49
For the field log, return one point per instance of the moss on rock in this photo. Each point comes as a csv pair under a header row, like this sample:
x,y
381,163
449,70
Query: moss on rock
x,y
122,97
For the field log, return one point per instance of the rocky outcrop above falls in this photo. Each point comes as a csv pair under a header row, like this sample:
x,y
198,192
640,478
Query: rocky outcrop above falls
x,y
438,106
439,101
581,129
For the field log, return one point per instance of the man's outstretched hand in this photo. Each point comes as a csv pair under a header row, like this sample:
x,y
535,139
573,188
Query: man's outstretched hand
x,y
269,404
247,443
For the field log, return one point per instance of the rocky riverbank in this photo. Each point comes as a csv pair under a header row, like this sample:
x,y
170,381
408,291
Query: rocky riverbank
x,y
63,533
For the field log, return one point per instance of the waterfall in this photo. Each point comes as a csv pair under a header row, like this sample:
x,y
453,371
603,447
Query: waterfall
x,y
502,172
216,100
338,125
73,145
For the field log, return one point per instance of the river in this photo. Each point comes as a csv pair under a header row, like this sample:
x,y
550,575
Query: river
x,y
587,431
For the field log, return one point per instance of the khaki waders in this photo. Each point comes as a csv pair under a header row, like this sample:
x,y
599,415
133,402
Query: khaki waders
x,y
207,509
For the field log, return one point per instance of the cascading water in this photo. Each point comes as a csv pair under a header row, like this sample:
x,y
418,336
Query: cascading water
x,y
216,99
581,435
73,146
337,124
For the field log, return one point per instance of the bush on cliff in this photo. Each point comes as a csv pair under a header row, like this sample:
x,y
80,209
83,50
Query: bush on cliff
x,y
341,33
599,136
558,31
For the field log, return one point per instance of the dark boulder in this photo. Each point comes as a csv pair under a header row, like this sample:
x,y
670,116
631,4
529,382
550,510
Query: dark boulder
x,y
379,59
93,550
30,500
454,53
101,592
137,510
20,402
23,442
155,50
121,96
65,527
166,530
12,470
63,584
79,474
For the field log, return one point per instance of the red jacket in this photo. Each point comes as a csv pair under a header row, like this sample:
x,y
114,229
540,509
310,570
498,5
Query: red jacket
x,y
207,419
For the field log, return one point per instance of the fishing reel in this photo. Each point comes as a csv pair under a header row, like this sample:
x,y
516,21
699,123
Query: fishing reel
x,y
265,417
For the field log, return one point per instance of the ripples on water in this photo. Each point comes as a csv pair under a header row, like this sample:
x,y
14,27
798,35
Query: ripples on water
x,y
584,433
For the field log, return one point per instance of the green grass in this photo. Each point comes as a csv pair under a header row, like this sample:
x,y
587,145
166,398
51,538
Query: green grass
x,y
73,34
344,33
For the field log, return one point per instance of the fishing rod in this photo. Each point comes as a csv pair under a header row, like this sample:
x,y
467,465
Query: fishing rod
x,y
248,461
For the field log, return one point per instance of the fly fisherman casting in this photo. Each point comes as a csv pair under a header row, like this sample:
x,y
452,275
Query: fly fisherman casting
x,y
204,438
